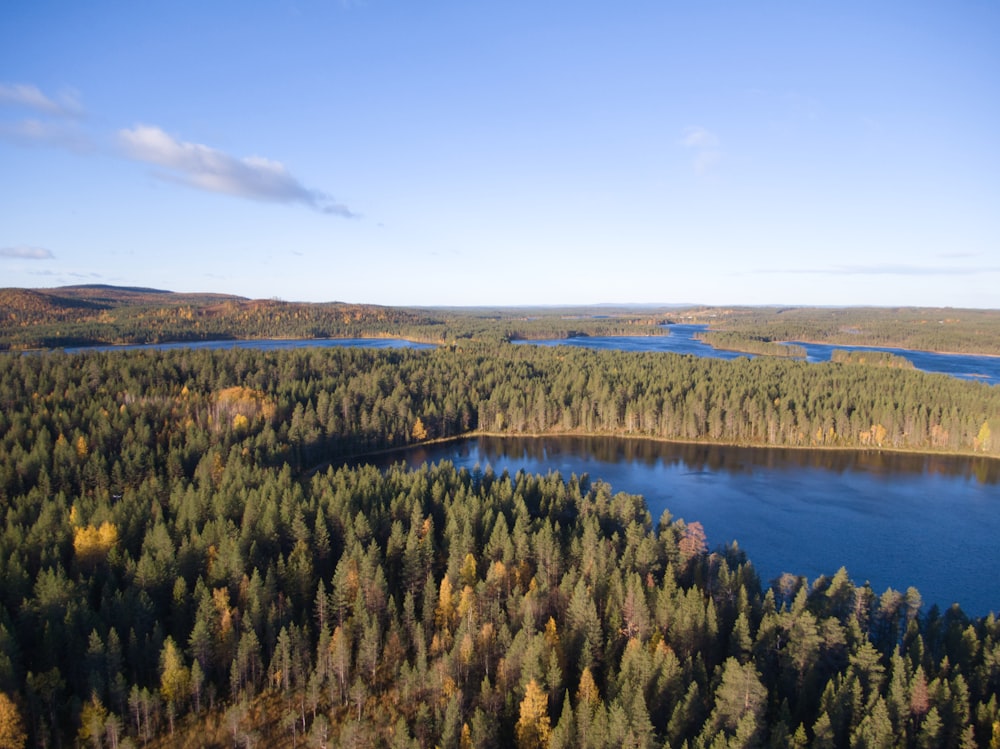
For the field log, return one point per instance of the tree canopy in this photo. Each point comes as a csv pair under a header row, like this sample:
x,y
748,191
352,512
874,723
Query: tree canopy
x,y
179,563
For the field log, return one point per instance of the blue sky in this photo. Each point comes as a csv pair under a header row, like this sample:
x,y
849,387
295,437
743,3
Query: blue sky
x,y
455,153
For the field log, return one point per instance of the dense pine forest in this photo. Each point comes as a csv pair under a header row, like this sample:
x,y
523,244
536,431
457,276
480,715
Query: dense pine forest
x,y
751,344
179,565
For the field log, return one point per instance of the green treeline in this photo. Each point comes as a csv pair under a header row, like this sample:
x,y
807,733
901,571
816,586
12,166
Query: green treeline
x,y
170,570
751,344
304,406
871,358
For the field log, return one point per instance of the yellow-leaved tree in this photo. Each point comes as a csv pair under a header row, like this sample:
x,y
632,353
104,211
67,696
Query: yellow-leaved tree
x,y
12,735
93,716
982,441
533,726
92,544
419,431
175,679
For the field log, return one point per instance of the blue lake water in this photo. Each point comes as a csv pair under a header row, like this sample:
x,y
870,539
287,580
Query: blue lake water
x,y
267,344
965,366
682,341
893,520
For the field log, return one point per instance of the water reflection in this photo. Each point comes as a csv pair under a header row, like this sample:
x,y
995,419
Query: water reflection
x,y
262,344
896,520
702,457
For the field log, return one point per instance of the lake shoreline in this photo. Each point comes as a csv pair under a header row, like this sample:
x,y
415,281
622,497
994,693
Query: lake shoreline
x,y
478,433
883,347
779,505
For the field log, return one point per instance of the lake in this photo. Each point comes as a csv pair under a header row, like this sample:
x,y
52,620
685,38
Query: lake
x,y
266,344
964,366
682,341
891,519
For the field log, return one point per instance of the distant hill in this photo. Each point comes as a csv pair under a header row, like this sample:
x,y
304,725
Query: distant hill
x,y
37,302
103,314
119,295
95,296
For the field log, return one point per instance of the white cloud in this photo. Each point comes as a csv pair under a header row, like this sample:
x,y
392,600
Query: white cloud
x,y
191,164
889,270
705,146
26,253
205,168
66,104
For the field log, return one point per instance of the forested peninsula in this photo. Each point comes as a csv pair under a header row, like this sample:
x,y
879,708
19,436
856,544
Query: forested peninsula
x,y
179,567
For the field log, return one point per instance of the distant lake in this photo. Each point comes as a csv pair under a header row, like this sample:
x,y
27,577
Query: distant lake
x,y
682,341
268,344
894,520
964,366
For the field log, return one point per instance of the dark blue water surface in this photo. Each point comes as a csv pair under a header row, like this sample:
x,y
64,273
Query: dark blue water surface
x,y
964,366
267,344
682,341
894,520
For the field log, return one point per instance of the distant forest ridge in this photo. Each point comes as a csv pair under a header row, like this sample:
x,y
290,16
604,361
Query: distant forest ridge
x,y
104,314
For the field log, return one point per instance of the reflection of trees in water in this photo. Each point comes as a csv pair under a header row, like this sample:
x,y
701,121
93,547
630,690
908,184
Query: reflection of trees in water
x,y
696,457
700,457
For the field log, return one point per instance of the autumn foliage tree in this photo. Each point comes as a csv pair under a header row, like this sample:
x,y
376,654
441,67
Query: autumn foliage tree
x,y
533,725
91,544
12,733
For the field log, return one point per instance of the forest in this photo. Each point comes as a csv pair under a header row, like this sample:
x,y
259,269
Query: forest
x,y
181,565
751,344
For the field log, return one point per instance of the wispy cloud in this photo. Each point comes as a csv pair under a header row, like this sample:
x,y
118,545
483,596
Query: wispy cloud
x,y
32,132
958,254
55,123
65,104
705,146
699,137
208,169
26,253
888,269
